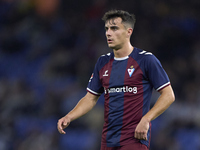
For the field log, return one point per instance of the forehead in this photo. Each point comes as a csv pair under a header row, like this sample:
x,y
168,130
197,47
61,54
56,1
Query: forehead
x,y
114,22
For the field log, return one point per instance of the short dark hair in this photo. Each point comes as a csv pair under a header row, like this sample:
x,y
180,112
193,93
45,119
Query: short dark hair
x,y
124,15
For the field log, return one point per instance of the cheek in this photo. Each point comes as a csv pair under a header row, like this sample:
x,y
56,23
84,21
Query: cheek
x,y
119,36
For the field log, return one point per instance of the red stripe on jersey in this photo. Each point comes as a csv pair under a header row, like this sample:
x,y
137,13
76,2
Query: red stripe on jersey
x,y
106,79
133,103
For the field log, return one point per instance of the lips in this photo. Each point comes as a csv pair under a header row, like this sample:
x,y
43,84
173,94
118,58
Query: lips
x,y
109,40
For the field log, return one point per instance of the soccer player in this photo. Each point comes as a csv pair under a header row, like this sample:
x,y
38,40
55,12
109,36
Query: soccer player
x,y
127,77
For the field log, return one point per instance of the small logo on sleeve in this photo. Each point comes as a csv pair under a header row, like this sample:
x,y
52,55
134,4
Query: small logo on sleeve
x,y
91,78
131,70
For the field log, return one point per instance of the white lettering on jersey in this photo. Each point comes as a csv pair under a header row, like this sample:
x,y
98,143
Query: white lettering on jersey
x,y
121,89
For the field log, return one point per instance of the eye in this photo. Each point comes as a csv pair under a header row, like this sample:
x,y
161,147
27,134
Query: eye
x,y
106,28
114,28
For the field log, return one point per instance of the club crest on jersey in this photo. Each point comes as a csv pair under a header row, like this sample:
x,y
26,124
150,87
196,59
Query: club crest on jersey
x,y
131,70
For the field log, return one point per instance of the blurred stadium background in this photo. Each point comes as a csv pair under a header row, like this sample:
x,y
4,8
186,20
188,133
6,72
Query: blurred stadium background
x,y
48,49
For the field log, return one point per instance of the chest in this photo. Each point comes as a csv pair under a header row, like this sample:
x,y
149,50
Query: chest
x,y
121,73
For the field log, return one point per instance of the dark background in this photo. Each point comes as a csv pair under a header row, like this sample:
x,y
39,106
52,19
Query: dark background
x,y
48,49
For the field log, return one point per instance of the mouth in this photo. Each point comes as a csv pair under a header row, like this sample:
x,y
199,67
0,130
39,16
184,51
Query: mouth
x,y
109,41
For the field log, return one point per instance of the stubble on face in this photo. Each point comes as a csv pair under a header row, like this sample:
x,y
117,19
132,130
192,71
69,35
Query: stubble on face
x,y
115,33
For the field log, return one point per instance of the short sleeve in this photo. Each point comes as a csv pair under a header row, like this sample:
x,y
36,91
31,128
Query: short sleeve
x,y
156,74
94,85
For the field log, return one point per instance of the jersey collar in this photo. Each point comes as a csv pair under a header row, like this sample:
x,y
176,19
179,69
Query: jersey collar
x,y
122,58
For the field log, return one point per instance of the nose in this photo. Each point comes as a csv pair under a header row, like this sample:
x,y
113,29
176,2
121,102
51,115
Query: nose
x,y
108,33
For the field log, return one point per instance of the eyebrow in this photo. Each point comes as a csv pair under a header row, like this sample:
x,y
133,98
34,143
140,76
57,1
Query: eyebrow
x,y
112,26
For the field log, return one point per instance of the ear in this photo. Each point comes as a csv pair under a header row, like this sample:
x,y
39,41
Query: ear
x,y
129,32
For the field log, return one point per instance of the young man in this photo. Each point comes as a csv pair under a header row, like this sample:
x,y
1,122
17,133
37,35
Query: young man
x,y
126,77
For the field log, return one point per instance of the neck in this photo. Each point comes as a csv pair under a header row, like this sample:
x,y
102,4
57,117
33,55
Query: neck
x,y
124,51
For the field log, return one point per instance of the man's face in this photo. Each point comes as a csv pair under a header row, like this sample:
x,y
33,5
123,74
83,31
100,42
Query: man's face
x,y
116,33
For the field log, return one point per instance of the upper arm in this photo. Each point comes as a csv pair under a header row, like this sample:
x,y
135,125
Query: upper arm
x,y
155,73
168,91
95,85
92,97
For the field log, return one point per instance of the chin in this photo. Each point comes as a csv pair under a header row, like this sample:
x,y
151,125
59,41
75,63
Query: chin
x,y
113,47
110,46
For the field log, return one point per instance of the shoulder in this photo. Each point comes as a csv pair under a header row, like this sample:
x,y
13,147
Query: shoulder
x,y
142,55
104,59
107,56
